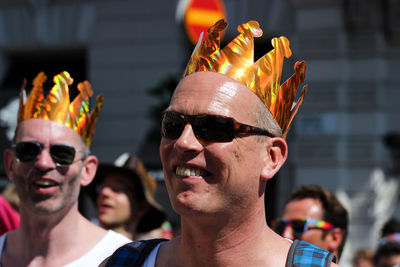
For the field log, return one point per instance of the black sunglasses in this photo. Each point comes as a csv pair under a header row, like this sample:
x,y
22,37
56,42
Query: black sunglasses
x,y
62,155
300,226
211,128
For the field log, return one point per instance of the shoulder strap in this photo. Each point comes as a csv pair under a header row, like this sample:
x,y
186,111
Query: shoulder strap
x,y
133,253
303,254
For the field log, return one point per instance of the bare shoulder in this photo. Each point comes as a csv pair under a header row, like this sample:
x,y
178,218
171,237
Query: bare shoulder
x,y
166,250
335,265
90,230
88,236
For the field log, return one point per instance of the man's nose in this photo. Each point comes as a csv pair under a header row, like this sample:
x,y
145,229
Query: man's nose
x,y
105,190
188,141
288,232
44,160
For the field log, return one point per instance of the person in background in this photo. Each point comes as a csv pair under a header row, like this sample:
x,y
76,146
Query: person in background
x,y
125,200
390,231
10,194
364,258
223,137
9,217
388,251
49,160
387,255
315,215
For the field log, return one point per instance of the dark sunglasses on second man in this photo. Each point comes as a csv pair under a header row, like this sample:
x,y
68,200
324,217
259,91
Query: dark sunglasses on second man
x,y
300,226
210,128
62,155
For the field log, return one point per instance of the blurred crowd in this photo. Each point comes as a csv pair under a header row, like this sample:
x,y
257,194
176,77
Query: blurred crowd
x,y
387,254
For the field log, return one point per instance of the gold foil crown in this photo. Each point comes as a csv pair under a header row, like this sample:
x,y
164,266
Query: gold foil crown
x,y
57,106
263,77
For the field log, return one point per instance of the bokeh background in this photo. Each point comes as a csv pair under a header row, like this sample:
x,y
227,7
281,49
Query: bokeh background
x,y
345,138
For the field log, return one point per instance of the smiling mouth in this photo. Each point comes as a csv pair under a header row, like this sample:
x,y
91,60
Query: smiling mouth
x,y
104,208
190,171
104,205
45,183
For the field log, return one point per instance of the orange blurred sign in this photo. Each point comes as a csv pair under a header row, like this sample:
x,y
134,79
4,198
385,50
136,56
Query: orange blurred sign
x,y
200,15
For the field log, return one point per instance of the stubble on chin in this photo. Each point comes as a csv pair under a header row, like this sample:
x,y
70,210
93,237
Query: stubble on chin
x,y
66,195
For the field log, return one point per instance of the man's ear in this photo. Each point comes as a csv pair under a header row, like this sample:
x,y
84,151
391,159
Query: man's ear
x,y
275,156
336,238
89,170
9,163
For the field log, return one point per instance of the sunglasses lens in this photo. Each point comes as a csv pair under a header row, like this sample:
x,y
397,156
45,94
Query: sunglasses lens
x,y
27,151
62,154
208,128
298,227
213,128
279,227
172,125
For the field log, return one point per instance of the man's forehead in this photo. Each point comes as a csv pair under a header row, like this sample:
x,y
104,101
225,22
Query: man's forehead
x,y
216,92
209,80
303,208
39,128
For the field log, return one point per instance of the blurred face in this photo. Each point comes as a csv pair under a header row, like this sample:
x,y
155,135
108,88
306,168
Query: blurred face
x,y
388,261
213,177
307,208
42,186
364,263
113,203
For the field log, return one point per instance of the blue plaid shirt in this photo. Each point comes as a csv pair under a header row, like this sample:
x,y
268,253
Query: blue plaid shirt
x,y
301,254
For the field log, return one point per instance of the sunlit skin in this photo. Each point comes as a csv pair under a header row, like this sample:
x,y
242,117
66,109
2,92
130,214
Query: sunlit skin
x,y
221,207
64,193
227,186
218,188
49,214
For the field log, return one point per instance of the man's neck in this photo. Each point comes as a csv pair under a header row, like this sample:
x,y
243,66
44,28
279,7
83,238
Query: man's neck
x,y
228,244
59,241
39,228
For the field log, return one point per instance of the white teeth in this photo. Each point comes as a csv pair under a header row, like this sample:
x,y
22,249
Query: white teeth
x,y
44,183
185,171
